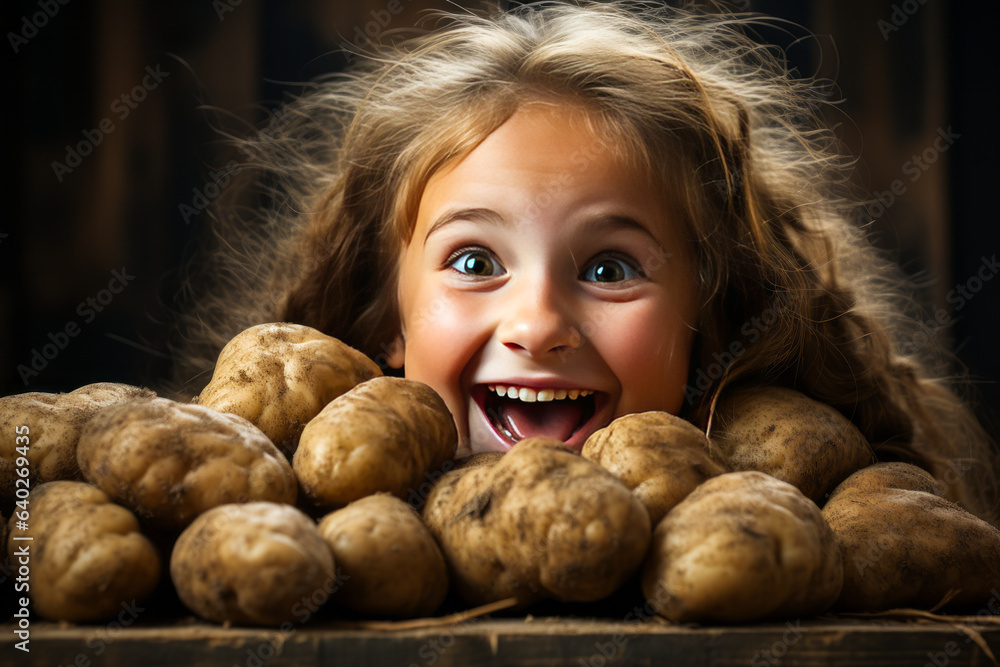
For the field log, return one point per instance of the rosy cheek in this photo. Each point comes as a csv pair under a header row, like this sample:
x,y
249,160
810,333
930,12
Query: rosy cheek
x,y
649,355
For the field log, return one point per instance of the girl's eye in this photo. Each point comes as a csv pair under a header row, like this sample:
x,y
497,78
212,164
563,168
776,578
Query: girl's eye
x,y
476,263
611,270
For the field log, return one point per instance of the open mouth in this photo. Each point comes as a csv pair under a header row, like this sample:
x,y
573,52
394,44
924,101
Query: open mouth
x,y
516,412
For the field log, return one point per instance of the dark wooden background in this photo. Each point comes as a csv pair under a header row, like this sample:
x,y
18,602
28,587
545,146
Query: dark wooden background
x,y
60,241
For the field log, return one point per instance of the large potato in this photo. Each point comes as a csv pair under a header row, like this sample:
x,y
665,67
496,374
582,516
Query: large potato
x,y
256,563
383,435
903,545
388,559
87,557
541,522
660,457
53,422
742,547
170,461
278,376
791,437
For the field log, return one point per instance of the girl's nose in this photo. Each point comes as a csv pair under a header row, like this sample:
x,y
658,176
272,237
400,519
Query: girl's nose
x,y
536,322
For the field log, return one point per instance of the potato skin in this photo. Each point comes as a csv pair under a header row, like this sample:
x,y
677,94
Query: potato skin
x,y
257,563
170,461
389,560
660,457
88,557
903,545
791,437
540,522
742,547
383,435
279,375
54,423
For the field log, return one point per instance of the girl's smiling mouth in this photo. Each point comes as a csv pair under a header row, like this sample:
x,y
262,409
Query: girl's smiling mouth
x,y
516,411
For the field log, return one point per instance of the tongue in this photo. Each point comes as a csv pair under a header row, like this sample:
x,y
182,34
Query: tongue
x,y
553,419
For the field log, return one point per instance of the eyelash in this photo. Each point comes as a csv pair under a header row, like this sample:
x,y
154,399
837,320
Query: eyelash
x,y
623,257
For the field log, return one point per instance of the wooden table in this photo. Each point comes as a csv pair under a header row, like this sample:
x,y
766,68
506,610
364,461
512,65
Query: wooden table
x,y
527,640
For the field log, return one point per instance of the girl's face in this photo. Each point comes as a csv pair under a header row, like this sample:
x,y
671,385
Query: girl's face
x,y
545,291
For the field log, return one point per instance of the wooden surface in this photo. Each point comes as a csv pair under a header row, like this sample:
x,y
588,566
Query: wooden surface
x,y
508,641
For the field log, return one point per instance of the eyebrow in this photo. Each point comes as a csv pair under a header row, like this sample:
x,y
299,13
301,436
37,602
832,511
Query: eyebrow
x,y
597,224
486,215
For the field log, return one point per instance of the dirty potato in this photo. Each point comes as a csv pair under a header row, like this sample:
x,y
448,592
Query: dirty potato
x,y
257,563
542,522
278,376
170,461
791,437
383,435
87,556
390,563
659,456
903,545
742,547
50,424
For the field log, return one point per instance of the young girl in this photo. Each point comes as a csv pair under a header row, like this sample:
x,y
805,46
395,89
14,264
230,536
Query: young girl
x,y
562,214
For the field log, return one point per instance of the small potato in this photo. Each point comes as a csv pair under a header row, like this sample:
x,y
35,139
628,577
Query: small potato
x,y
791,437
903,545
542,522
383,435
278,376
742,547
660,457
170,461
50,425
388,558
256,563
87,556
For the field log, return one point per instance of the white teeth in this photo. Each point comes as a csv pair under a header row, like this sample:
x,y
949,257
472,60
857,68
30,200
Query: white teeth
x,y
540,395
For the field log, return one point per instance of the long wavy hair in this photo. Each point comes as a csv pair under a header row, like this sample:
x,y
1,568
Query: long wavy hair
x,y
790,291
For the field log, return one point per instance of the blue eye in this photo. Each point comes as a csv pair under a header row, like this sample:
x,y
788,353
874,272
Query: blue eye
x,y
611,270
475,263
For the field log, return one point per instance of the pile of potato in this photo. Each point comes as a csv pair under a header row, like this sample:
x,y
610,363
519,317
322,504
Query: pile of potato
x,y
284,487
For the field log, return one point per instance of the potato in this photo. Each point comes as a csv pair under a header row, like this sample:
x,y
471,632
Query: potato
x,y
170,461
53,424
903,545
87,556
383,435
742,547
279,376
257,563
542,522
389,561
660,457
789,436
